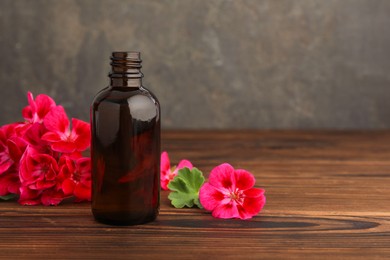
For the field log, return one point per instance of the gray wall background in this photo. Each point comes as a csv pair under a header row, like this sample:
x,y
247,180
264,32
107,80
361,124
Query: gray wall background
x,y
212,63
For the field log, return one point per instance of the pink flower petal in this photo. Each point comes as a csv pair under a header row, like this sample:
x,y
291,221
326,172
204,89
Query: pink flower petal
x,y
14,184
66,169
43,184
165,163
82,131
84,164
44,104
30,100
64,147
16,148
52,197
82,192
74,155
184,163
28,196
57,120
51,137
226,211
28,111
164,184
254,193
165,171
243,179
14,151
252,206
68,186
210,197
5,164
222,176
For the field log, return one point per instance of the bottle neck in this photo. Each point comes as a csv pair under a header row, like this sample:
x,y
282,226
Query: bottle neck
x,y
126,69
125,82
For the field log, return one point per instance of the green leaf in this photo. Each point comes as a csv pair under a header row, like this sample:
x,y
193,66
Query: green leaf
x,y
8,197
185,188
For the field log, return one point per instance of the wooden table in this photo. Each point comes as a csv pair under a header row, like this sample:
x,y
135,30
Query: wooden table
x,y
328,197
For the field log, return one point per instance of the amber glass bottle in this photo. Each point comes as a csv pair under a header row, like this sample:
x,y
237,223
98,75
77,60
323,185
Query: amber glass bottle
x,y
125,146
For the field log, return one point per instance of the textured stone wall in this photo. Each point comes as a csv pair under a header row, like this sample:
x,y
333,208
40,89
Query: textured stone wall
x,y
212,63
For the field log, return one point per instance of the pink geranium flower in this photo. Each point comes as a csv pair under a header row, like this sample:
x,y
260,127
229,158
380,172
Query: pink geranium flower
x,y
33,136
230,193
11,147
38,171
76,177
167,173
59,135
37,109
38,174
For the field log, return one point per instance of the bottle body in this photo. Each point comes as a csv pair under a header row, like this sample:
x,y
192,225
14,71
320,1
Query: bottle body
x,y
125,152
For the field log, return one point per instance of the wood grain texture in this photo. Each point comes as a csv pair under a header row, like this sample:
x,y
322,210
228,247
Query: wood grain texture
x,y
327,197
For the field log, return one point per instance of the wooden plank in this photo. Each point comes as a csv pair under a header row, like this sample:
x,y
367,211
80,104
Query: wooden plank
x,y
327,197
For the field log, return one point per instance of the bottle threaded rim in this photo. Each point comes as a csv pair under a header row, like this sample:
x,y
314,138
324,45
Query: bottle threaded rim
x,y
126,64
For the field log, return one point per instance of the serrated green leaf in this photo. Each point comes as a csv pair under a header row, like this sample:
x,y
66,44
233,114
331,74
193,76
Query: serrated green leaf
x,y
8,197
185,188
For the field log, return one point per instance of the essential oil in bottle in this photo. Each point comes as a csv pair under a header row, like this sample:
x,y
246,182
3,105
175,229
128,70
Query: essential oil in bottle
x,y
125,146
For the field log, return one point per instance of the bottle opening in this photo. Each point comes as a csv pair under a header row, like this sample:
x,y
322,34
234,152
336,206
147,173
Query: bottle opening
x,y
126,55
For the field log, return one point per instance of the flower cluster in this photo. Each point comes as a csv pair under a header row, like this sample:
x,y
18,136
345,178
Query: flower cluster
x,y
41,158
229,193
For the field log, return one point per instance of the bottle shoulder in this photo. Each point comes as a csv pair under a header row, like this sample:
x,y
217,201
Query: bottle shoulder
x,y
138,102
120,94
136,99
